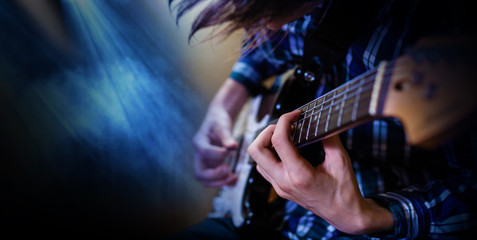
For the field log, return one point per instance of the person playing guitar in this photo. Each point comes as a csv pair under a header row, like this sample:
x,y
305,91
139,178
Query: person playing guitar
x,y
373,182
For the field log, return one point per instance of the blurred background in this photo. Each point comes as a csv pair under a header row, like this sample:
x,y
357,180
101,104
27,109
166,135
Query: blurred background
x,y
99,101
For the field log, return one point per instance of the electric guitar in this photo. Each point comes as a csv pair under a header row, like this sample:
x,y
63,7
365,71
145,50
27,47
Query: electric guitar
x,y
430,90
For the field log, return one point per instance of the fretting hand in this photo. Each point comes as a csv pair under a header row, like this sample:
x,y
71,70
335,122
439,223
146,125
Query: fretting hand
x,y
330,190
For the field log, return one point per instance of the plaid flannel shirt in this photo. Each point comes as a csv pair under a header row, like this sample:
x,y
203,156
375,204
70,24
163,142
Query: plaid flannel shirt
x,y
430,192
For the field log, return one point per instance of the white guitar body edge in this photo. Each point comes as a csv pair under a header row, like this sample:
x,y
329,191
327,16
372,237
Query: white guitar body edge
x,y
229,201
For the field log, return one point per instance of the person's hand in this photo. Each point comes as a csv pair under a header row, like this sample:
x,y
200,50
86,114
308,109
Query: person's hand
x,y
213,142
330,190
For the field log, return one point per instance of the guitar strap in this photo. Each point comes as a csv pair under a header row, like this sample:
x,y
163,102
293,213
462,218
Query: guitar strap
x,y
336,25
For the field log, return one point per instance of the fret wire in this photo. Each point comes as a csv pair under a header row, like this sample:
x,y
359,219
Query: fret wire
x,y
366,89
356,102
301,130
360,84
329,112
385,85
354,88
298,131
330,106
318,123
369,78
309,122
306,109
340,116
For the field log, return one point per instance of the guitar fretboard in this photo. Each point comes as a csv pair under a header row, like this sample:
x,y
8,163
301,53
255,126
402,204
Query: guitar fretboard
x,y
352,103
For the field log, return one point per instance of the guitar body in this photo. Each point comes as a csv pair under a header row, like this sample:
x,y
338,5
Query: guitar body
x,y
230,200
251,203
246,203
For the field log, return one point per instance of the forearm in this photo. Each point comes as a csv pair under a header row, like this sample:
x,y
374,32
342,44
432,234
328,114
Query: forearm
x,y
230,98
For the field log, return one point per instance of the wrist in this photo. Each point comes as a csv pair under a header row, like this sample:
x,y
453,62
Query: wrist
x,y
362,217
374,219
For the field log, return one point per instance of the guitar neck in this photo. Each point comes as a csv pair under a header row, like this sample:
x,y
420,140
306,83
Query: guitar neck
x,y
430,90
351,104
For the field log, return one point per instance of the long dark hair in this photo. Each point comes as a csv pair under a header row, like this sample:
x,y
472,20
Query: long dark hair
x,y
238,14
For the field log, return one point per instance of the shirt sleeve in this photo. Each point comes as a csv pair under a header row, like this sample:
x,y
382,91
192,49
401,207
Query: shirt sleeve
x,y
441,209
270,58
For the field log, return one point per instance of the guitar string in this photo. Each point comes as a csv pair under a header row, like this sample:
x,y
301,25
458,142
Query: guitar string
x,y
370,77
301,122
360,83
322,112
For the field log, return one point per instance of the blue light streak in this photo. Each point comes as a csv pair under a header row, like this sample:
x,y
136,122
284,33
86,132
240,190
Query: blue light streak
x,y
99,133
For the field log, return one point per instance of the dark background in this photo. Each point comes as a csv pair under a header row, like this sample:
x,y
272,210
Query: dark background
x,y
97,112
